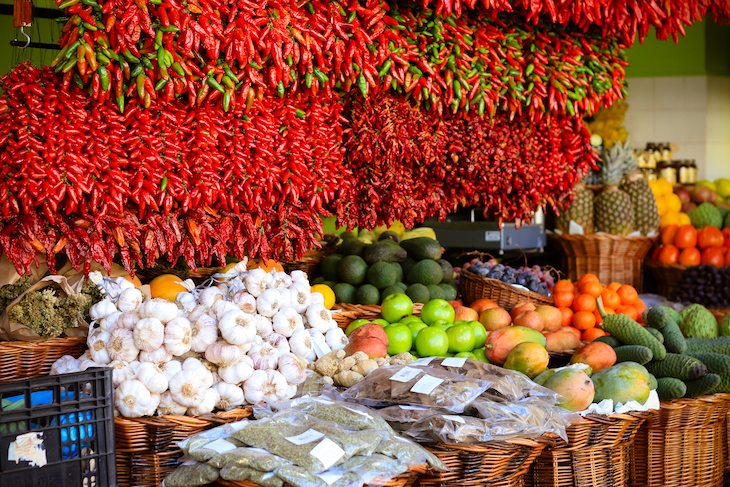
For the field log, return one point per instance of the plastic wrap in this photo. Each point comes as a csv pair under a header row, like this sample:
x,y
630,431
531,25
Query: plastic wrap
x,y
207,444
401,418
248,457
191,474
410,453
264,479
416,386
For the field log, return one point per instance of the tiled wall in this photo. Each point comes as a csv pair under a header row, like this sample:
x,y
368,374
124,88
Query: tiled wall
x,y
692,111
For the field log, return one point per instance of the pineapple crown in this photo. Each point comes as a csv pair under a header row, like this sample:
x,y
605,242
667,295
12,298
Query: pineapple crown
x,y
618,162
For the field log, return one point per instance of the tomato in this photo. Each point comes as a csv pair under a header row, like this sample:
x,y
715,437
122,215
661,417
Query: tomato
x,y
437,309
432,342
400,338
395,307
727,259
713,256
669,254
667,234
685,237
461,338
726,234
709,236
690,256
657,251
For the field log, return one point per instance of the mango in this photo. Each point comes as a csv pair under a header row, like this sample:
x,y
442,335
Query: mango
x,y
529,358
624,382
575,386
543,377
501,342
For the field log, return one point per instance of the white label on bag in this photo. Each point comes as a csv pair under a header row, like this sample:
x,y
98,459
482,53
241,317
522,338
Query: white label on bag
x,y
423,361
405,374
413,408
329,477
220,446
307,437
456,419
327,452
454,362
426,384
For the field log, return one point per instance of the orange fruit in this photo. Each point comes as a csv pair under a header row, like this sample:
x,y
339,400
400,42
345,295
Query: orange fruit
x,y
593,288
567,316
563,285
584,320
614,286
608,311
640,307
667,234
586,278
166,286
584,302
563,299
610,299
629,311
627,294
690,256
592,333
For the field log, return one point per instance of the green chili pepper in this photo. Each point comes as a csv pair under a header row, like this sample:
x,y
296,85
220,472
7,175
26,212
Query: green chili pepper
x,y
214,84
254,65
300,113
351,17
280,89
228,82
309,7
308,78
226,101
71,50
160,84
415,70
571,109
120,103
530,68
129,57
104,78
77,79
178,69
102,59
320,75
362,83
163,184
138,69
457,89
170,28
140,85
147,63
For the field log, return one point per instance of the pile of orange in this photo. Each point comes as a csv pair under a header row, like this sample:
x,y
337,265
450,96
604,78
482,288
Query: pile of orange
x,y
686,245
577,302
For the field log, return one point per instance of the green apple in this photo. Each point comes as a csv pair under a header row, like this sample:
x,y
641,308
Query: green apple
x,y
479,332
432,342
461,338
415,327
437,309
400,338
355,324
395,307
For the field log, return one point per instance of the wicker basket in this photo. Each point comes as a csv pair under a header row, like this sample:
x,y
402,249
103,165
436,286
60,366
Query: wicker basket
x,y
25,360
147,447
720,314
344,314
683,445
494,464
473,287
666,276
309,262
612,258
406,479
597,454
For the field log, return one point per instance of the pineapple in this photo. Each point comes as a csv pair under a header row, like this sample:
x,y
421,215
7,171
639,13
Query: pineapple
x,y
613,209
646,214
580,211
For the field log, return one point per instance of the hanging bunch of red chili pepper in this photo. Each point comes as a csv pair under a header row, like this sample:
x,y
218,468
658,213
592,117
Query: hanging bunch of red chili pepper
x,y
410,164
166,181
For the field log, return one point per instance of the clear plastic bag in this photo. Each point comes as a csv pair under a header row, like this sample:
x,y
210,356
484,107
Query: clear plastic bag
x,y
417,386
410,453
237,474
191,474
207,444
248,457
402,418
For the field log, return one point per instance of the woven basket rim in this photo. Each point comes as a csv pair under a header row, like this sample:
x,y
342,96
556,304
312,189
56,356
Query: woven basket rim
x,y
660,265
602,236
507,287
50,342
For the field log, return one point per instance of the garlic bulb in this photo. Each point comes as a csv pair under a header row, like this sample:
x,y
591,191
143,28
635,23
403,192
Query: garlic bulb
x,y
149,334
287,296
102,309
302,298
223,354
223,288
197,312
317,298
253,388
127,320
279,279
65,365
244,301
110,322
301,346
287,321
229,395
273,387
154,403
210,399
170,368
264,326
264,356
293,368
97,346
186,301
169,406
268,302
121,345
160,309
178,336
319,342
299,277
256,281
336,338
319,318
157,357
88,363
203,333
234,286
202,368
129,300
152,377
209,295
279,342
235,374
122,371
132,399
188,387
222,307
237,327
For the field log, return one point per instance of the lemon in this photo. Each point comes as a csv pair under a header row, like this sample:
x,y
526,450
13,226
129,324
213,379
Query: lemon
x,y
669,218
684,219
327,292
666,186
674,204
656,188
661,205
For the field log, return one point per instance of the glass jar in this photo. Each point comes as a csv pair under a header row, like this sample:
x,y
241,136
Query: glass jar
x,y
692,172
667,171
666,152
683,170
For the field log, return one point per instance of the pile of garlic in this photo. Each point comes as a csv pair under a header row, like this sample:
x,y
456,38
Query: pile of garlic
x,y
245,338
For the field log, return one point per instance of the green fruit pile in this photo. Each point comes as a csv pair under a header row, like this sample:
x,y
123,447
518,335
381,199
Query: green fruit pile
x,y
367,273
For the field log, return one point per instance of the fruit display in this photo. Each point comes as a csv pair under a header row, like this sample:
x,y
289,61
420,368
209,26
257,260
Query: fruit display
x,y
533,278
704,284
367,273
607,123
678,205
689,246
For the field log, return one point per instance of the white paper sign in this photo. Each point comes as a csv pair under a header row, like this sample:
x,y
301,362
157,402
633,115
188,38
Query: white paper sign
x,y
220,446
329,477
453,362
423,361
28,447
405,374
307,437
426,385
456,419
327,452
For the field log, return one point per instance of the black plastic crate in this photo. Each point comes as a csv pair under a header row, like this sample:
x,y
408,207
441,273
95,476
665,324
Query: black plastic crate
x,y
66,421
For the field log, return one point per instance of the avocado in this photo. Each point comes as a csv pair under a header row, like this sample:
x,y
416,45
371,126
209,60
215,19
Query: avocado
x,y
402,286
407,265
389,235
382,275
331,284
386,251
418,293
351,246
318,280
435,292
448,270
398,271
352,270
344,293
449,290
425,272
390,290
367,294
422,248
328,267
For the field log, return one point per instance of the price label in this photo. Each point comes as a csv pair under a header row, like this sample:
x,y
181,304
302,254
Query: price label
x,y
426,385
307,437
405,374
454,362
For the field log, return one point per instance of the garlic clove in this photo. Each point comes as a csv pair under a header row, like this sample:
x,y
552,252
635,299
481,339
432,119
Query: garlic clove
x,y
161,309
287,321
149,334
336,338
129,300
293,368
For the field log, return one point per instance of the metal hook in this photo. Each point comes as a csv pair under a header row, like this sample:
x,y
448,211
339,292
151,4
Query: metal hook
x,y
22,31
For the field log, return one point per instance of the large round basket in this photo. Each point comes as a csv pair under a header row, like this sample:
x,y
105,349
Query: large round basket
x,y
473,286
344,313
147,449
597,454
666,276
612,258
720,314
25,360
496,464
683,444
406,479
309,262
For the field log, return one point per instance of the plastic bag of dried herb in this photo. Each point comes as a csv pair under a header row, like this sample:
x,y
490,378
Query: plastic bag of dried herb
x,y
264,479
249,457
207,444
191,474
410,453
348,415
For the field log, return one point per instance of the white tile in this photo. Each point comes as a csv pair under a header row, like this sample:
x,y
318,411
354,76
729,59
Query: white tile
x,y
693,126
718,126
718,92
692,151
670,126
641,93
669,92
718,161
695,92
640,126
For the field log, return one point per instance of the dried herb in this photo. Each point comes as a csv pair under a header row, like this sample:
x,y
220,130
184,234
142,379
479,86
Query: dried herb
x,y
9,292
248,457
191,475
